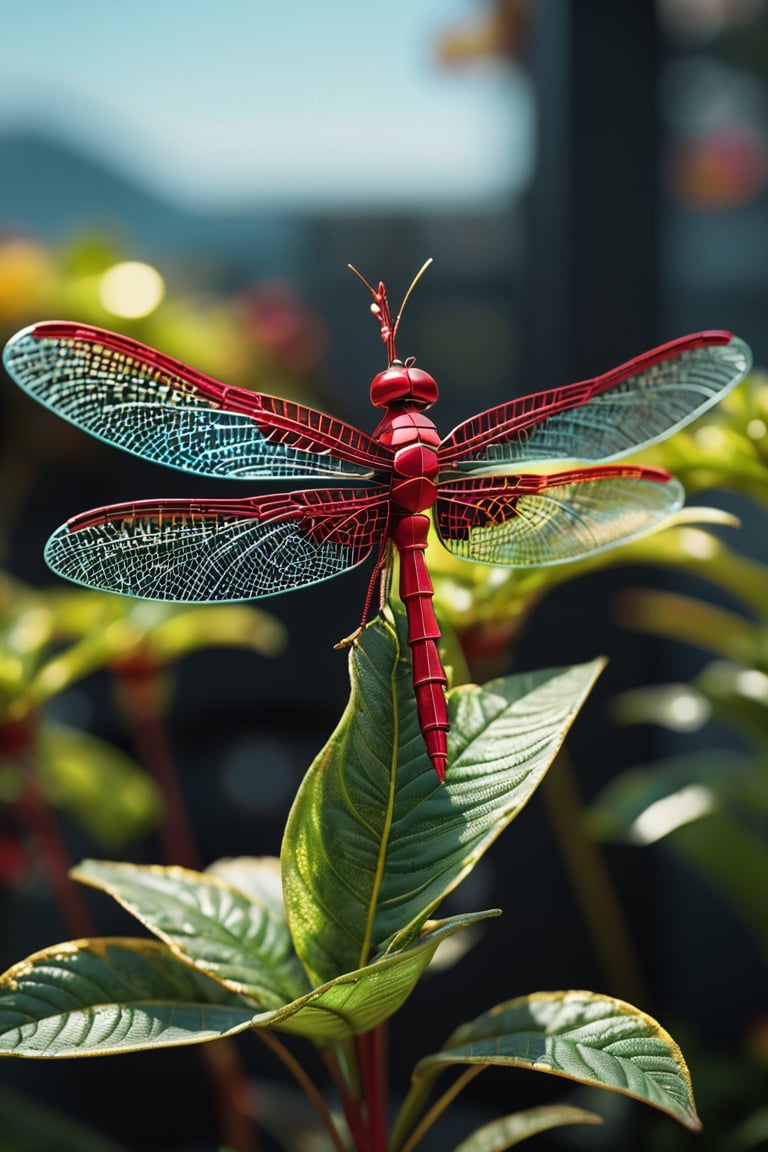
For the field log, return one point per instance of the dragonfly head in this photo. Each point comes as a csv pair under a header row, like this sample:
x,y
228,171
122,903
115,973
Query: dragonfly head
x,y
403,383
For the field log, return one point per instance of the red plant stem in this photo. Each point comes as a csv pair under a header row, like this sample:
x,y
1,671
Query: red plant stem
x,y
371,1052
36,813
349,1102
355,1122
141,694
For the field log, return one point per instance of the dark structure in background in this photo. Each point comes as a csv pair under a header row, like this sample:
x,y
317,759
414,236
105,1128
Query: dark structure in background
x,y
580,273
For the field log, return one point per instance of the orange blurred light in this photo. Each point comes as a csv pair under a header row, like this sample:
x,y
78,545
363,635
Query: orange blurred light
x,y
726,168
26,273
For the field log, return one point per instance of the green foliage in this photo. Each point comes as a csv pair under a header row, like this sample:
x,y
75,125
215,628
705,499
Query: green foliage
x,y
50,641
409,841
583,1036
511,1130
372,846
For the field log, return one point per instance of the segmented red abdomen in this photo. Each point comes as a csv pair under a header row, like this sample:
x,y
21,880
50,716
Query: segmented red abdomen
x,y
414,440
429,678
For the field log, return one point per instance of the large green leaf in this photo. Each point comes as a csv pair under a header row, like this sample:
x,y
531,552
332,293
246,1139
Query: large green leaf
x,y
582,1036
510,1130
223,932
374,842
244,943
357,1002
100,997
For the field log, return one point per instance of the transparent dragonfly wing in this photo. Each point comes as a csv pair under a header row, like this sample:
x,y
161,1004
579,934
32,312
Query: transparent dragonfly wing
x,y
607,417
136,398
533,521
212,551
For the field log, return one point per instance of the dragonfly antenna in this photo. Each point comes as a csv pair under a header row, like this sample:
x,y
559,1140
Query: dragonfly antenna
x,y
380,307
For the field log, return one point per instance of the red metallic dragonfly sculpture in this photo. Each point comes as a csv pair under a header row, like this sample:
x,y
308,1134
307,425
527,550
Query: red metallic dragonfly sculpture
x,y
530,482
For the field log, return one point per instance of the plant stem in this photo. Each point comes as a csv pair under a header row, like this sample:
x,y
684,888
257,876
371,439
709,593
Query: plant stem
x,y
41,824
349,1090
440,1105
140,688
306,1084
591,883
236,1128
19,741
373,1066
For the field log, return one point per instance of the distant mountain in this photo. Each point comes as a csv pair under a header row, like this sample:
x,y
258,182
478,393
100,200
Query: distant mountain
x,y
50,191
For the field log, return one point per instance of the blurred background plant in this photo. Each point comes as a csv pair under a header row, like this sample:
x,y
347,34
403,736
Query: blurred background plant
x,y
591,180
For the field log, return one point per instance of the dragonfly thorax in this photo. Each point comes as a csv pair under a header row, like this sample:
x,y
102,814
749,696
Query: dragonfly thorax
x,y
403,383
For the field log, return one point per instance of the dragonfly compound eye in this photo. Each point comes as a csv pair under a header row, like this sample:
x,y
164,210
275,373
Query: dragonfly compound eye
x,y
403,382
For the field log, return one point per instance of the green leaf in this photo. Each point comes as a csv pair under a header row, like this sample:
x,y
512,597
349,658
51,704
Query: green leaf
x,y
582,1036
632,807
690,621
101,997
103,789
244,944
256,876
165,632
733,857
221,931
104,996
216,626
374,842
710,810
356,1002
101,630
26,628
510,1130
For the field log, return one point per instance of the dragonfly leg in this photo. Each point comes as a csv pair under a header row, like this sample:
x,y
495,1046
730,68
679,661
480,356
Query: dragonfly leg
x,y
379,576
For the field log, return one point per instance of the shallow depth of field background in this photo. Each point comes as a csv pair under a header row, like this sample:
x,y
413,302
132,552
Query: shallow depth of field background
x,y
591,180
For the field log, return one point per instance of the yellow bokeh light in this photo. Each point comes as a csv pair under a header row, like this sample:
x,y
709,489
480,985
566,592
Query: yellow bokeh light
x,y
711,439
131,289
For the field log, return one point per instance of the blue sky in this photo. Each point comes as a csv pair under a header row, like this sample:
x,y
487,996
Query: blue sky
x,y
219,101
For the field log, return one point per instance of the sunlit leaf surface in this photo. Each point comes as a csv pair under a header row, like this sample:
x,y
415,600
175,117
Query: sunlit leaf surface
x,y
582,1036
374,842
100,997
220,930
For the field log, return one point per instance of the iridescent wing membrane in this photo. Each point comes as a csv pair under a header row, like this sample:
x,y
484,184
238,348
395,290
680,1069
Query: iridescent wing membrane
x,y
221,550
487,510
496,514
138,399
607,417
